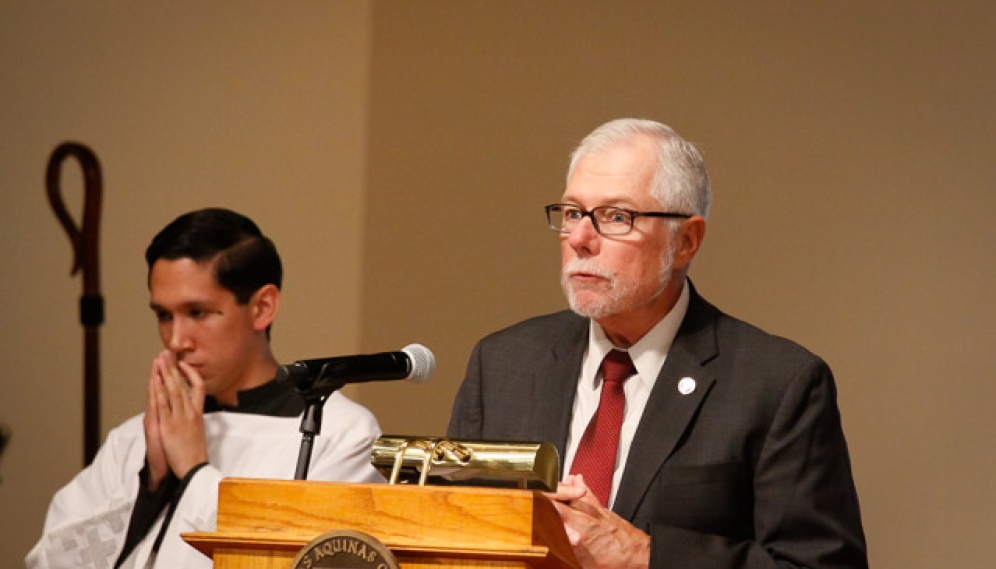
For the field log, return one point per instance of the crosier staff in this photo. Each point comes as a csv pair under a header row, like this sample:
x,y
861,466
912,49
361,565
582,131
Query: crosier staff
x,y
84,240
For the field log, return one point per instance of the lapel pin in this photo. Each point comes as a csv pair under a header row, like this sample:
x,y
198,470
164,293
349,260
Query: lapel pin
x,y
686,386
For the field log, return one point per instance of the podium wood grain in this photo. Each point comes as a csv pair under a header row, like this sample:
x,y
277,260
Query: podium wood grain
x,y
262,524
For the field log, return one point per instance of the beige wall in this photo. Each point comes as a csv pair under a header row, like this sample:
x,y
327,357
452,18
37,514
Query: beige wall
x,y
849,147
400,153
187,104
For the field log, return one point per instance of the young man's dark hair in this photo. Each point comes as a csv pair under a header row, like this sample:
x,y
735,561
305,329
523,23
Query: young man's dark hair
x,y
242,257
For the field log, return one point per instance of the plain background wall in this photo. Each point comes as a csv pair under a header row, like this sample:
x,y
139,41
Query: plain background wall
x,y
187,104
400,153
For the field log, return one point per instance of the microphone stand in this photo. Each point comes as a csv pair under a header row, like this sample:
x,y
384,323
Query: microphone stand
x,y
311,423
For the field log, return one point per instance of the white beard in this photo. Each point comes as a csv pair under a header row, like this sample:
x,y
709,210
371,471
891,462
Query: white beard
x,y
622,295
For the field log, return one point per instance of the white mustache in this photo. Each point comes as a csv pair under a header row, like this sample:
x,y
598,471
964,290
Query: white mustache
x,y
576,265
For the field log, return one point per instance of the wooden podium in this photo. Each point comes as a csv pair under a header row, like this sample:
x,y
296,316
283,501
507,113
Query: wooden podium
x,y
262,524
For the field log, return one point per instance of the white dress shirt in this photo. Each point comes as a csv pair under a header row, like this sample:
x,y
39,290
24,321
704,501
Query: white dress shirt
x,y
648,355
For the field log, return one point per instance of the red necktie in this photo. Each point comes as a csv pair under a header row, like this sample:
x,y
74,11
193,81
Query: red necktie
x,y
595,458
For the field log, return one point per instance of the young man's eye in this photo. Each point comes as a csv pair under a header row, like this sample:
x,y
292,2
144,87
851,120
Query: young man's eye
x,y
163,316
201,313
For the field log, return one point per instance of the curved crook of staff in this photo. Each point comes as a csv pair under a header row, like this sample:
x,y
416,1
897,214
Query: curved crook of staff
x,y
84,240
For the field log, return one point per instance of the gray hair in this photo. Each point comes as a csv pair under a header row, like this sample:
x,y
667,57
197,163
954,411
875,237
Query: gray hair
x,y
680,184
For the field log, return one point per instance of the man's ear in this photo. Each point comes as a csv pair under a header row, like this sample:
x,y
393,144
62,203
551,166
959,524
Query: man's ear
x,y
689,237
265,302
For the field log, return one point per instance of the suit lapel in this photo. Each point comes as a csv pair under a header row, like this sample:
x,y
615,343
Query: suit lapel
x,y
669,412
555,385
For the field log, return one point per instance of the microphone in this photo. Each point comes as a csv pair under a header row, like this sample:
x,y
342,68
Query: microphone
x,y
323,376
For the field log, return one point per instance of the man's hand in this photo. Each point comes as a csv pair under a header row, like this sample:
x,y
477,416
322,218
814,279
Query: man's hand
x,y
177,396
156,456
599,537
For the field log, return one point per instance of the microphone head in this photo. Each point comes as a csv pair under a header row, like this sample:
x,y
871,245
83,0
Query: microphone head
x,y
423,362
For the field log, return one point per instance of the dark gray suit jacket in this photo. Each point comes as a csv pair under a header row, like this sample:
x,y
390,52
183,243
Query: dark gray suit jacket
x,y
750,470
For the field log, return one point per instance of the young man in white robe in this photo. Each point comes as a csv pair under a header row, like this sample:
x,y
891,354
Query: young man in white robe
x,y
213,410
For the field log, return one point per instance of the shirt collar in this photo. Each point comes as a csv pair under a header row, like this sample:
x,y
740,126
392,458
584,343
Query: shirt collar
x,y
271,398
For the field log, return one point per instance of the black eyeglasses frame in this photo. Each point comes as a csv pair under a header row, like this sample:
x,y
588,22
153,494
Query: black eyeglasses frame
x,y
594,221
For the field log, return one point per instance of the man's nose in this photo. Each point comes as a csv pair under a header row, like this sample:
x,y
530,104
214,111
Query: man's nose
x,y
179,335
584,239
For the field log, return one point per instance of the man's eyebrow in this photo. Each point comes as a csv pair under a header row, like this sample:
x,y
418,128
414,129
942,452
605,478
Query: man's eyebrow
x,y
190,304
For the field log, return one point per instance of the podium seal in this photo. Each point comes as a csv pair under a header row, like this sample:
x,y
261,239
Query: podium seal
x,y
345,549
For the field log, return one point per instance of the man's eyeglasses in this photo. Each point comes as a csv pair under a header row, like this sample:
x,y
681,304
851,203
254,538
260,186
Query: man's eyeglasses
x,y
607,219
